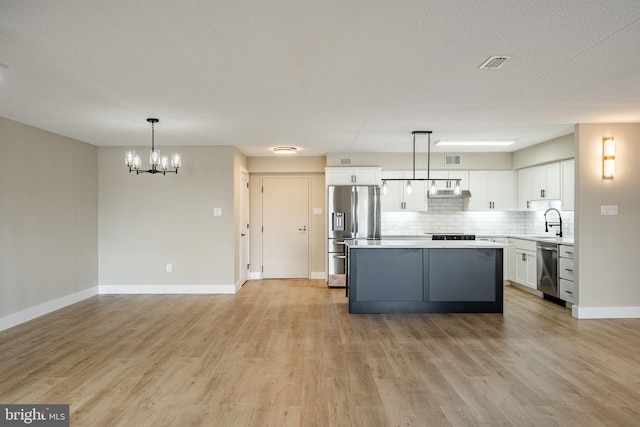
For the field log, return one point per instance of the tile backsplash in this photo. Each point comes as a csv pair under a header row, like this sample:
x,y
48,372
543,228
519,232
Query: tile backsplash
x,y
447,216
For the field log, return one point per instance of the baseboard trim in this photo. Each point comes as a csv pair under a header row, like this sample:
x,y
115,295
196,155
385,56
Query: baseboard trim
x,y
605,312
318,275
167,289
255,275
45,308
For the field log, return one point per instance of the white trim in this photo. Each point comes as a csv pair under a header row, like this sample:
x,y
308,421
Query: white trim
x,y
255,275
45,308
167,289
318,275
605,312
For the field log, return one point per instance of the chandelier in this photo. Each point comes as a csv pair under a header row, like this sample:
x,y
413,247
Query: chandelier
x,y
159,163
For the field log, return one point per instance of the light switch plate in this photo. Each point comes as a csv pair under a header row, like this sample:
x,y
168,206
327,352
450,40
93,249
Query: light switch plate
x,y
217,211
609,210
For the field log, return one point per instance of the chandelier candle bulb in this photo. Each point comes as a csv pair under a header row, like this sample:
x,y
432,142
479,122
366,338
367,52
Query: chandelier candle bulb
x,y
159,163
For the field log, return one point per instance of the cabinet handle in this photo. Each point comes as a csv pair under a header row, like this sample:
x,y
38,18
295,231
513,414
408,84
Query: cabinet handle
x,y
528,204
569,253
569,292
524,257
569,270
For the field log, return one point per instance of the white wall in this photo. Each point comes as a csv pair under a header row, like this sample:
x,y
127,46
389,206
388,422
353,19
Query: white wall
x,y
607,246
148,221
48,221
546,152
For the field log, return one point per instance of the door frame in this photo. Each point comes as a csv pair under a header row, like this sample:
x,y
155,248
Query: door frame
x,y
245,218
309,226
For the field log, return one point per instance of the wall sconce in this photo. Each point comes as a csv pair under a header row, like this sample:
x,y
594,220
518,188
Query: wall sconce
x,y
608,158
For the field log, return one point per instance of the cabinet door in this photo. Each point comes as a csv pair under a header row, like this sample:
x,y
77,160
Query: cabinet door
x,y
525,183
567,193
480,188
393,200
339,176
463,176
546,182
511,263
521,267
502,190
552,189
367,176
532,272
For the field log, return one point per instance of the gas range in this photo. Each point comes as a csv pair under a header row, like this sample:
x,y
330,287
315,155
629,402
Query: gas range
x,y
453,237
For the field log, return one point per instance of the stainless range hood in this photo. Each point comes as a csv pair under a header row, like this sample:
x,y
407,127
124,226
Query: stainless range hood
x,y
448,194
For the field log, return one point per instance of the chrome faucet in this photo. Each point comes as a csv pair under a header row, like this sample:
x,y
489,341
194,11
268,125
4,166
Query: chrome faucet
x,y
553,224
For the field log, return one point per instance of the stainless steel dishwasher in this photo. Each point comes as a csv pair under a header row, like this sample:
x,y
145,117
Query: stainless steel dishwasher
x,y
547,263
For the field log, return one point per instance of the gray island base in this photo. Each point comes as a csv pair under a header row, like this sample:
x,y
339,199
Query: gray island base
x,y
425,277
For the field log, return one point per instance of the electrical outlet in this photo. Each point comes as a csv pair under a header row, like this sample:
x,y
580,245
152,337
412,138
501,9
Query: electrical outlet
x,y
217,211
169,268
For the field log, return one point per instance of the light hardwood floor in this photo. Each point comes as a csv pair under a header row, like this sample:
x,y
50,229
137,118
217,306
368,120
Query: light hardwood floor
x,y
286,352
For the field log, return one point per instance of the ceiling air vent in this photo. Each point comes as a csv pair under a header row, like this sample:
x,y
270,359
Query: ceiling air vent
x,y
494,62
452,160
345,161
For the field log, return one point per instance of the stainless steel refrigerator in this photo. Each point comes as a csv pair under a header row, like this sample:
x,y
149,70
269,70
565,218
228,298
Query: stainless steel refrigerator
x,y
353,212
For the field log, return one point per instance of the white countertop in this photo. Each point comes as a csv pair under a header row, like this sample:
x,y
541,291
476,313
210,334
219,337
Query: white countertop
x,y
534,237
421,244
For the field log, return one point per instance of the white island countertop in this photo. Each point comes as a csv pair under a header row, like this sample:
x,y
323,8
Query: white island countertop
x,y
421,244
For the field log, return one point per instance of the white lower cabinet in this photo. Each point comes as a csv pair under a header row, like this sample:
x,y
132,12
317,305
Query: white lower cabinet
x,y
566,274
524,268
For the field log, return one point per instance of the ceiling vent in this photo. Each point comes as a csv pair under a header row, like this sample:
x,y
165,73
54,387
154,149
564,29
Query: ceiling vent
x,y
452,160
345,161
494,62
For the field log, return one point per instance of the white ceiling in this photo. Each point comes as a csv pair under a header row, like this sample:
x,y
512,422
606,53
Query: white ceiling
x,y
326,76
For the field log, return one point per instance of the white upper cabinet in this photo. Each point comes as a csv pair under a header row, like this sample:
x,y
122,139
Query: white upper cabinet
x,y
397,199
525,188
546,182
538,183
567,194
491,190
452,176
353,176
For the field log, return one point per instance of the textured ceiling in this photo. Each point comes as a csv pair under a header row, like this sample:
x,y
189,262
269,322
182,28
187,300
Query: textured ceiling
x,y
326,76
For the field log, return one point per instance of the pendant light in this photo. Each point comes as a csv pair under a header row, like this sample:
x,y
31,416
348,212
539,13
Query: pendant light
x,y
158,162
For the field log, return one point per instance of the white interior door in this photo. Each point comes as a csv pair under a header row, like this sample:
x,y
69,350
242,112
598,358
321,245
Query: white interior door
x,y
285,227
243,247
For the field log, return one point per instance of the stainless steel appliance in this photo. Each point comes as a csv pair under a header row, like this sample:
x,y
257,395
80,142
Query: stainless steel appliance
x,y
547,263
353,212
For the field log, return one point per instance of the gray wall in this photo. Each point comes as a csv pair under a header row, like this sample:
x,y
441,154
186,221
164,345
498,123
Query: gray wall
x,y
607,246
148,221
48,217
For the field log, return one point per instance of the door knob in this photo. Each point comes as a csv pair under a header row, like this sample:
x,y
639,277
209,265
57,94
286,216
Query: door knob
x,y
242,234
304,228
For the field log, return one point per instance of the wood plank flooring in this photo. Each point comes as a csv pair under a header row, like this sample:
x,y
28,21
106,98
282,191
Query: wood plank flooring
x,y
287,353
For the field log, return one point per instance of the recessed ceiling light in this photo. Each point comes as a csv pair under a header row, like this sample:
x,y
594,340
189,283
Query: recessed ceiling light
x,y
494,62
285,150
474,143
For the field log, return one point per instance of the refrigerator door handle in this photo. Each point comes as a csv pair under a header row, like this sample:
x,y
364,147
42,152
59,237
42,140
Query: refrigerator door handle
x,y
354,212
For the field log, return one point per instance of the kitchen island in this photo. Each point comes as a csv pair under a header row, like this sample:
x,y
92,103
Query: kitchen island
x,y
425,276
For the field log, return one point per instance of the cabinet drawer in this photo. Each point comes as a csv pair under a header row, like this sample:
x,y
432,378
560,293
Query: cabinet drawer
x,y
567,291
566,251
525,245
565,268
